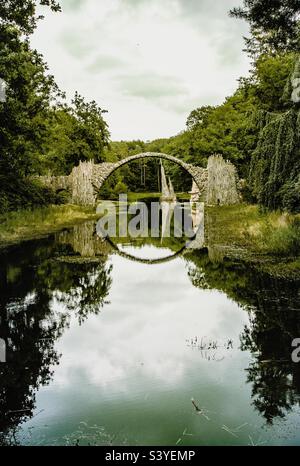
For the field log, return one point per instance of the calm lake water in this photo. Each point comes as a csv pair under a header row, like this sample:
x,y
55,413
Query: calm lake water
x,y
107,349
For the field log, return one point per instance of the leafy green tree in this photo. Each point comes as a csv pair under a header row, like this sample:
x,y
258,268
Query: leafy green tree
x,y
23,115
75,133
274,24
270,76
223,130
118,150
275,165
22,13
199,117
91,133
23,120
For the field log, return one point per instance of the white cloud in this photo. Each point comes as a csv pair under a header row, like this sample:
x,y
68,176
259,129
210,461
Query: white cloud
x,y
110,349
149,63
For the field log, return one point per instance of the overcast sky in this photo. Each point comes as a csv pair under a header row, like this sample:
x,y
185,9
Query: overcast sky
x,y
148,62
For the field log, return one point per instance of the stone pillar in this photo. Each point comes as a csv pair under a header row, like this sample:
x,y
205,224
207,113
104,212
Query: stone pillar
x,y
199,175
222,182
82,190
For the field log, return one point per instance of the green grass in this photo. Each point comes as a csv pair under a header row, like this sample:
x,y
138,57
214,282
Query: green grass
x,y
246,226
134,197
283,240
28,224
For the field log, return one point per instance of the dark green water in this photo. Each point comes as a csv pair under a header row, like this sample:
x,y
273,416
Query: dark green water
x,y
106,350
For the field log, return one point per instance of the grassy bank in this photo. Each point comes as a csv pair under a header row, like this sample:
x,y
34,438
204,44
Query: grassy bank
x,y
29,224
135,197
271,239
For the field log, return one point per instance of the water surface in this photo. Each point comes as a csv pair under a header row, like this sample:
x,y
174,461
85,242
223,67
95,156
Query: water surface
x,y
107,349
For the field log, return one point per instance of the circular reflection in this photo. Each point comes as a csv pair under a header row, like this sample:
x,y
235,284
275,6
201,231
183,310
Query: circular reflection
x,y
184,220
158,260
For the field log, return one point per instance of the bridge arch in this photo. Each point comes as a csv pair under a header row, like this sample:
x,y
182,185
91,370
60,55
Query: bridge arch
x,y
104,170
218,181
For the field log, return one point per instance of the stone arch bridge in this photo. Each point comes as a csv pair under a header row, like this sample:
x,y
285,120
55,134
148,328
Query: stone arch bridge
x,y
218,181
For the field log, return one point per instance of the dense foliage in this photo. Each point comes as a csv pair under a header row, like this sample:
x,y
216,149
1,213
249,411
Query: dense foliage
x,y
22,13
76,132
29,93
275,165
274,24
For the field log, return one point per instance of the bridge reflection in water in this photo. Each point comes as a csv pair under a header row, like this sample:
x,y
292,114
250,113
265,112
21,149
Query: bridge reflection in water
x,y
87,240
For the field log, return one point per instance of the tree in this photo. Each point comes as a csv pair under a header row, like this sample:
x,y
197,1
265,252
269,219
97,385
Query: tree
x,y
270,75
274,167
223,129
275,164
274,44
199,116
91,133
274,24
30,90
22,13
75,133
23,113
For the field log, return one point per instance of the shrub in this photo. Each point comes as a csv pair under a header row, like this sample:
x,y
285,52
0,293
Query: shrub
x,y
282,240
17,193
120,188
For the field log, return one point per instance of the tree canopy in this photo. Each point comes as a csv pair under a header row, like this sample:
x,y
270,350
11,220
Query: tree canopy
x,y
274,24
23,13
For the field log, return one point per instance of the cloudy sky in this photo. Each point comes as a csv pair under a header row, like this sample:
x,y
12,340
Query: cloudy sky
x,y
148,62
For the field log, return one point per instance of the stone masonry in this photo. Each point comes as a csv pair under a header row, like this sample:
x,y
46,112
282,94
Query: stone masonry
x,y
218,183
222,182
